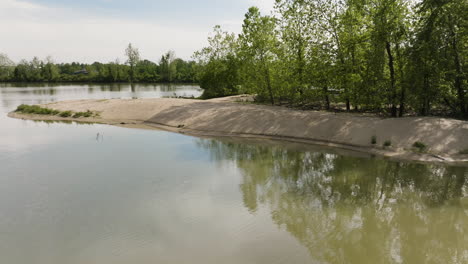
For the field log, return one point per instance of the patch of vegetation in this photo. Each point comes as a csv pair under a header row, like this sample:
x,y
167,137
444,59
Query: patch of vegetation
x,y
374,140
65,114
88,114
83,114
77,115
464,152
421,147
387,143
35,109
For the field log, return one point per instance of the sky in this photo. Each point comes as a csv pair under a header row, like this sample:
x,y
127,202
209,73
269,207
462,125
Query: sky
x,y
99,30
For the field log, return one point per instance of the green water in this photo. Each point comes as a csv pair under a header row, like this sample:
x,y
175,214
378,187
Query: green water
x,y
84,194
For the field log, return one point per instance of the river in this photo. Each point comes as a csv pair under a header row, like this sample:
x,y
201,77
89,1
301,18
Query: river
x,y
75,193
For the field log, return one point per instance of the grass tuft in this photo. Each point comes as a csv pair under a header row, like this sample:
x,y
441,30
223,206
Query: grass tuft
x,y
88,114
421,147
83,114
387,143
65,114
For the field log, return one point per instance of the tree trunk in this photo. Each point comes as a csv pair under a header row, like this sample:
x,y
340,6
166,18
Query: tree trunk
x,y
327,98
458,79
353,70
392,79
300,66
425,108
403,87
267,77
268,81
132,73
402,102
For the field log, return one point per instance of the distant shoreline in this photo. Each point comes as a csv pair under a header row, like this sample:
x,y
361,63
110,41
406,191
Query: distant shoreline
x,y
104,82
444,138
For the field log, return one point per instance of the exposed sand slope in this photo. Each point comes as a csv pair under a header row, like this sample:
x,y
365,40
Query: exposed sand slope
x,y
444,137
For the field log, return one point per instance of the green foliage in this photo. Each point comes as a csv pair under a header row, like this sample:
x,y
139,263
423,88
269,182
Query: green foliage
x,y
218,65
35,109
258,50
421,147
168,66
6,67
65,114
77,115
464,152
82,114
389,56
374,140
387,143
394,57
88,114
133,57
135,70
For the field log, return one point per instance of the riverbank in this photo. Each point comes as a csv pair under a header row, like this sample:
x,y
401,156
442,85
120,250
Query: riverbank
x,y
443,138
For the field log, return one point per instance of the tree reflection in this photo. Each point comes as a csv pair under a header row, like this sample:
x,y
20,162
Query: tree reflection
x,y
347,209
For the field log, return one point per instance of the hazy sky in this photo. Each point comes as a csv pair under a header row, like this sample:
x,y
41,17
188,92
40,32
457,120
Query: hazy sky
x,y
99,30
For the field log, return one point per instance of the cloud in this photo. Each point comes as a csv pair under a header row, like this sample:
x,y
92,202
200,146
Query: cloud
x,y
70,34
19,5
30,30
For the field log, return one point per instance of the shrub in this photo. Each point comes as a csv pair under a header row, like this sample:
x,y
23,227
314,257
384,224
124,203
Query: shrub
x,y
87,113
464,152
420,146
65,114
83,114
387,143
78,115
374,140
35,109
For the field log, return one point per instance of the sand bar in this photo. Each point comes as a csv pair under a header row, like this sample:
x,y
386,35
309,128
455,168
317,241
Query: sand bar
x,y
445,138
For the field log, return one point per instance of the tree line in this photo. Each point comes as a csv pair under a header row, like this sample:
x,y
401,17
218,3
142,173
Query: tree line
x,y
394,57
169,69
389,56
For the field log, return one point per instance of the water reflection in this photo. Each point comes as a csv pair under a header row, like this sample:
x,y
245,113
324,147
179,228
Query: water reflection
x,y
347,209
43,93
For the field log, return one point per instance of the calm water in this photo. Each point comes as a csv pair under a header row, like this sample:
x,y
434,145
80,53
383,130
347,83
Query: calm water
x,y
69,196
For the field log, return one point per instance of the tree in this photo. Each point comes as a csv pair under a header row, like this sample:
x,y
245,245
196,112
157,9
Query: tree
x,y
258,50
296,29
389,30
168,66
218,65
370,55
133,57
50,71
6,67
438,56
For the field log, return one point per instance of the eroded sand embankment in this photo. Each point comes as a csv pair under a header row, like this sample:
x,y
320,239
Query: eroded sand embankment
x,y
445,138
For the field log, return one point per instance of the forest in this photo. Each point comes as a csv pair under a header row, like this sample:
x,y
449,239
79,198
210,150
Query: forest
x,y
393,57
169,69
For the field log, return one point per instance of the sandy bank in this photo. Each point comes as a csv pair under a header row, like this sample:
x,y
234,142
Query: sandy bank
x,y
445,138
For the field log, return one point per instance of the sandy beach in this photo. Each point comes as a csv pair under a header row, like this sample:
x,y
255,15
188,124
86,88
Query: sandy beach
x,y
444,138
